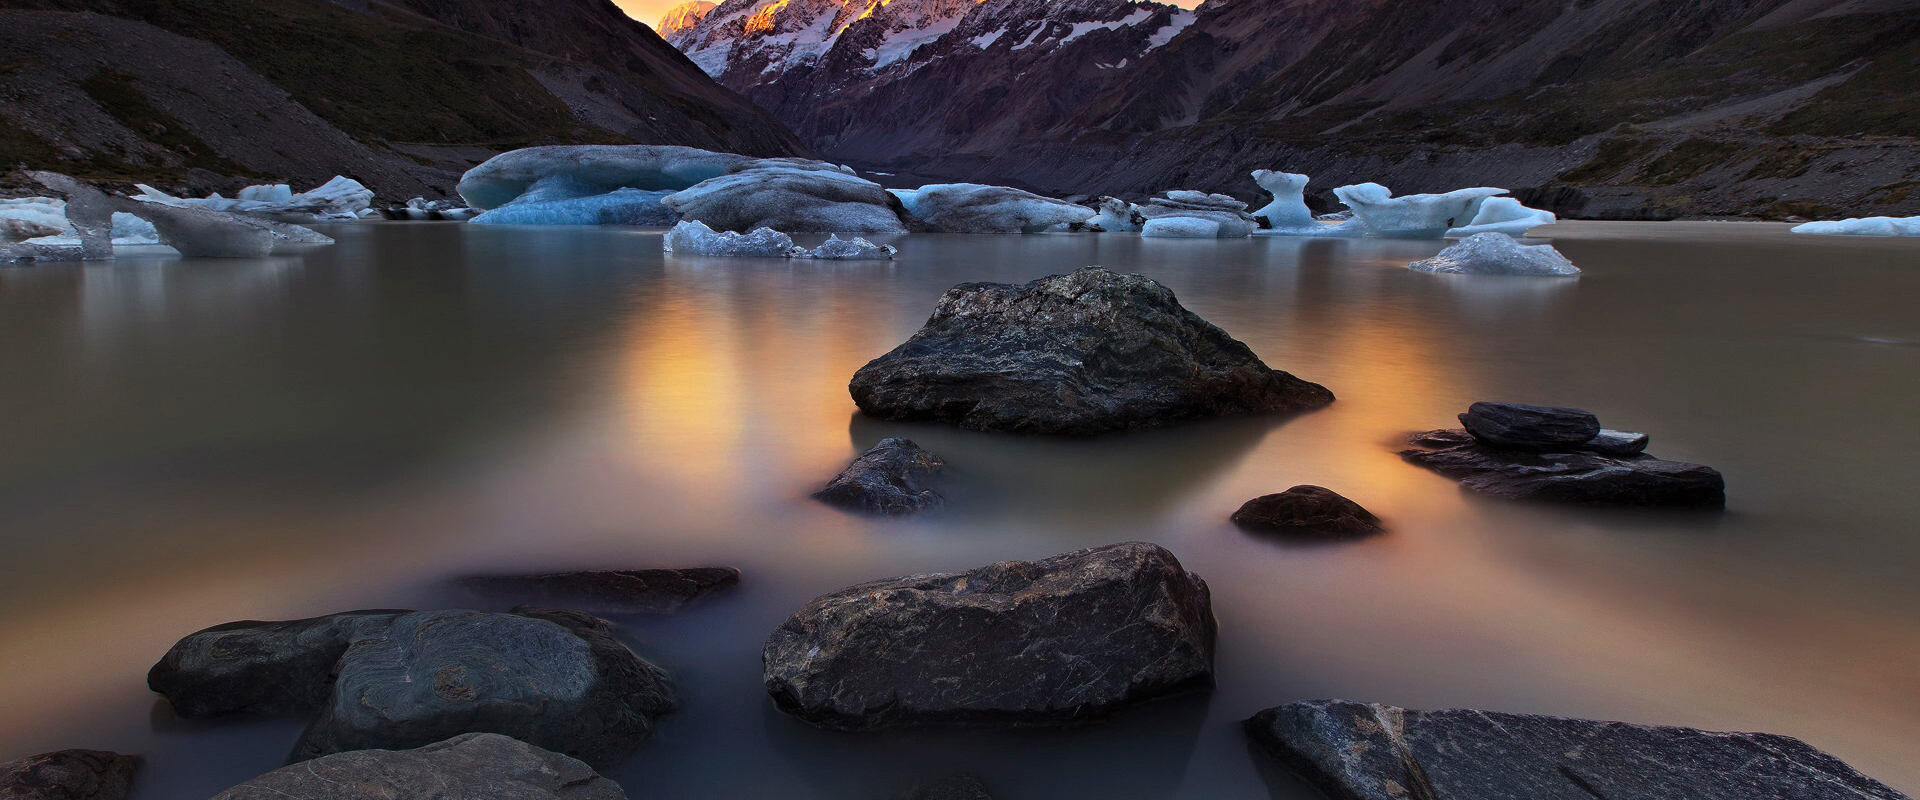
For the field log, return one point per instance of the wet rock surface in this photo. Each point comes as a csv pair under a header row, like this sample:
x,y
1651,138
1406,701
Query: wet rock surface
x,y
387,680
892,478
632,591
464,767
1369,751
1310,511
1062,640
1573,476
1525,427
1085,353
68,775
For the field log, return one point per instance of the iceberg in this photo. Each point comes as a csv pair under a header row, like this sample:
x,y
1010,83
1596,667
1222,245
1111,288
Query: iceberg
x,y
696,239
978,208
561,200
420,209
1863,226
1182,228
341,199
1230,215
1114,215
1497,254
191,228
1415,216
790,195
591,170
1503,215
1289,206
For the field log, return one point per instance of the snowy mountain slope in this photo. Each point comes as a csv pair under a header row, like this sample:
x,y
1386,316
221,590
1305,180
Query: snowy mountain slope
x,y
683,16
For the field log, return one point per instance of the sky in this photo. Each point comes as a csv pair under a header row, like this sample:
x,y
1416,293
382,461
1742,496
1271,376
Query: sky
x,y
649,11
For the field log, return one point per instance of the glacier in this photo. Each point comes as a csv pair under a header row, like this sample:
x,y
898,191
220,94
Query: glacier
x,y
791,195
1863,226
696,239
979,208
1503,215
1497,254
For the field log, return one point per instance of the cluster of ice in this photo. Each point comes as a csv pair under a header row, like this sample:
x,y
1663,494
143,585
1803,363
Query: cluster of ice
x,y
1230,217
1114,215
190,228
1503,215
978,208
1414,216
695,238
44,220
1374,211
1497,254
1863,226
791,195
421,208
340,199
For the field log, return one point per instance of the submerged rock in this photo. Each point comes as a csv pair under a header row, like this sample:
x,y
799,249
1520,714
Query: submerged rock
x,y
1574,476
891,478
1085,353
68,775
1063,640
404,679
1307,510
790,195
465,767
1497,254
632,591
1526,427
978,208
1370,751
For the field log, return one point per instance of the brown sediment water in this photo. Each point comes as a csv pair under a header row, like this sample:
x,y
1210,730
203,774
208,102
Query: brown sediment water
x,y
188,442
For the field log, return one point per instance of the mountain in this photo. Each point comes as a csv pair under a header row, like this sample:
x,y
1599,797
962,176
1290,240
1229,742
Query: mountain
x,y
403,94
682,17
1617,108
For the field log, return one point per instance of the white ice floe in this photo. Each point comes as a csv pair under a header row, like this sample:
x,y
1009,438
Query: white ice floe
x,y
1114,215
696,239
1229,215
1289,206
1503,215
1414,216
1182,228
1863,226
341,199
977,208
1497,254
792,195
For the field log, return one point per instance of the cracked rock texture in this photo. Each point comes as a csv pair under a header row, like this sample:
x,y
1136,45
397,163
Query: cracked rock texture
x,y
1369,751
891,478
1062,640
1089,352
68,775
474,765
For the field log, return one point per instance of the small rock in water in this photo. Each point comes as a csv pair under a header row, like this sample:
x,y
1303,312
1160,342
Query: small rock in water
x,y
1370,751
1308,510
956,787
465,767
1085,353
1063,640
1524,427
1618,443
891,478
636,591
68,775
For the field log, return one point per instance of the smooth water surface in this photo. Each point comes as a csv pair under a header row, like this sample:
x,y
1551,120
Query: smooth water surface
x,y
188,442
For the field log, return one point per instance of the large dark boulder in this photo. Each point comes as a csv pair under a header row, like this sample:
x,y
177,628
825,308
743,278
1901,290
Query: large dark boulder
x,y
1312,511
1085,353
1368,751
465,767
1580,476
629,591
1063,640
68,775
891,478
556,679
1523,427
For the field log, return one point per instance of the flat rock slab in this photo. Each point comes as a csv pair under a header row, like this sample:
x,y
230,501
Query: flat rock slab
x,y
1525,427
398,680
1368,751
892,478
630,591
1085,353
68,775
466,767
1580,477
1063,640
1311,511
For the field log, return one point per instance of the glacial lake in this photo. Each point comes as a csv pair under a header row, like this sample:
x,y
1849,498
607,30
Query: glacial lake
x,y
190,442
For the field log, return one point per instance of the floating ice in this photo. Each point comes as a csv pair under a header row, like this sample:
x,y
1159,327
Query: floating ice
x,y
790,195
340,199
44,220
977,208
1230,215
205,233
696,239
1289,206
1114,215
1497,254
1863,226
1504,215
1182,228
591,170
421,208
559,201
1415,216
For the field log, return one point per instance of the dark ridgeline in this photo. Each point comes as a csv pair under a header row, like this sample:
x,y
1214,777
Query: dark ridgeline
x,y
402,94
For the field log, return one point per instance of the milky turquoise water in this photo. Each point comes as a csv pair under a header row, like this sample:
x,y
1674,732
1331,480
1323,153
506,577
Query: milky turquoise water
x,y
188,442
